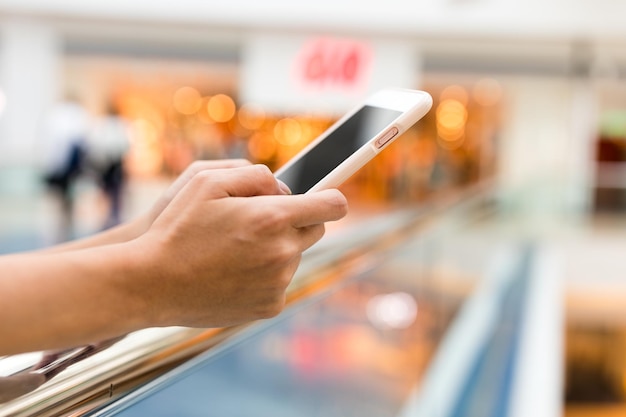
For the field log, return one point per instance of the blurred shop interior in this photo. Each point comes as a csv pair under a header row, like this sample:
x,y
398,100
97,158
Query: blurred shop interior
x,y
529,103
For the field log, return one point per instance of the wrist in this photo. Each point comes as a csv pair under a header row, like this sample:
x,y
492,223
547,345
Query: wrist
x,y
139,282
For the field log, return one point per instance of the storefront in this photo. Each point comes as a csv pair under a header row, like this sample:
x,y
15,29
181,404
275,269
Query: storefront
x,y
217,106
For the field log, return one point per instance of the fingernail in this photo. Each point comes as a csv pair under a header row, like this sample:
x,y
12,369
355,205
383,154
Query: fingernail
x,y
284,188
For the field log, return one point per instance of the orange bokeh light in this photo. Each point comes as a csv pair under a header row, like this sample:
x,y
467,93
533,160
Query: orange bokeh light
x,y
187,100
288,132
261,146
221,108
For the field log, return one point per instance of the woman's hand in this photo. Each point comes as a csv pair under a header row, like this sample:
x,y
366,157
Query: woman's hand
x,y
227,245
220,251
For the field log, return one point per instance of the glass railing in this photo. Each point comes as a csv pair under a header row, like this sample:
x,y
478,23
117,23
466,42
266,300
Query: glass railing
x,y
367,316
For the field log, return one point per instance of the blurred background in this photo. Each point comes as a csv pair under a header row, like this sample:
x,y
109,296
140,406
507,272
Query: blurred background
x,y
102,104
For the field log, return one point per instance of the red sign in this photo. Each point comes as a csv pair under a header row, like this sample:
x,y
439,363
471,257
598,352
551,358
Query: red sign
x,y
333,64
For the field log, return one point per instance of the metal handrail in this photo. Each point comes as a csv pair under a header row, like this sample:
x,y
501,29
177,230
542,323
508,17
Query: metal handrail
x,y
89,377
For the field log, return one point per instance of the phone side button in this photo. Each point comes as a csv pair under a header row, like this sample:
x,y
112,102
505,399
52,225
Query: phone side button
x,y
386,137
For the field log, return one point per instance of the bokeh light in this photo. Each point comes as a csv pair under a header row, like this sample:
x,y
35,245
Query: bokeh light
x,y
288,132
396,310
307,132
137,108
143,131
261,146
251,116
203,113
187,100
145,154
221,108
451,119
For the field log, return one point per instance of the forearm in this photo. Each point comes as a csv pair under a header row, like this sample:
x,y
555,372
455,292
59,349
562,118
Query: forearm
x,y
68,299
119,234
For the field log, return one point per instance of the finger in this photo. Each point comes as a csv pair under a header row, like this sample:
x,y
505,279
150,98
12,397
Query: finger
x,y
315,208
195,168
232,163
246,181
202,165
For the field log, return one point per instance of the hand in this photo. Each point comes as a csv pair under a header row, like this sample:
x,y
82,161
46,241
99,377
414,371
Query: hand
x,y
143,223
182,180
138,226
226,247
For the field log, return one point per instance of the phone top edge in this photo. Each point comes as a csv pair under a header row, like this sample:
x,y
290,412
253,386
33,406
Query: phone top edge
x,y
400,99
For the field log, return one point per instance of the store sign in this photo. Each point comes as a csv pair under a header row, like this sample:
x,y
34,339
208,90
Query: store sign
x,y
329,63
290,74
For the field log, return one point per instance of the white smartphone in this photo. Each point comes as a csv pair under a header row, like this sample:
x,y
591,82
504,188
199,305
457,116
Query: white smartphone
x,y
353,140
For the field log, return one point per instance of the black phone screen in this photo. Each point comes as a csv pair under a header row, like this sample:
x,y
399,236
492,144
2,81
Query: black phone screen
x,y
346,139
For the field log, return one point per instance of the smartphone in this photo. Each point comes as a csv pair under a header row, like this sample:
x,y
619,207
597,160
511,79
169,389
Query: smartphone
x,y
354,139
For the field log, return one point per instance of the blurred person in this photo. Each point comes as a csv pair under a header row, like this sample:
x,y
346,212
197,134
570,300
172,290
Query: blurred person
x,y
218,248
63,133
107,145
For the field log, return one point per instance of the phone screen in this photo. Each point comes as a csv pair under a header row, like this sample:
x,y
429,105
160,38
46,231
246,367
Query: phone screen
x,y
356,131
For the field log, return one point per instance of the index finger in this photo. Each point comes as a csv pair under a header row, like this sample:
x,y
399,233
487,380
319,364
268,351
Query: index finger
x,y
316,208
193,169
246,181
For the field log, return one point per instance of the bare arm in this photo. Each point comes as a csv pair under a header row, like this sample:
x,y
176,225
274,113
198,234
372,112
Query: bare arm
x,y
65,299
221,252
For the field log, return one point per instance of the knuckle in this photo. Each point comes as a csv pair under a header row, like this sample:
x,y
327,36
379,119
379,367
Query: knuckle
x,y
202,175
271,218
195,166
263,173
201,178
274,308
278,256
241,162
262,170
285,252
